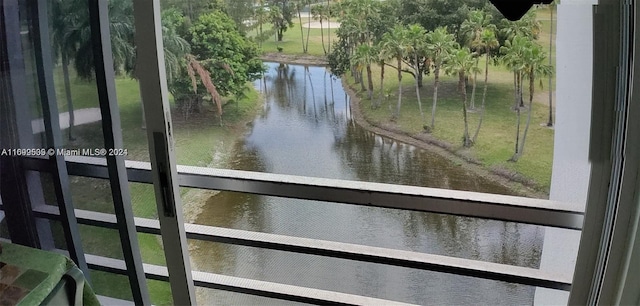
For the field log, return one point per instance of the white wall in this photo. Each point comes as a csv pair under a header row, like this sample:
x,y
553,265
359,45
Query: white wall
x,y
571,168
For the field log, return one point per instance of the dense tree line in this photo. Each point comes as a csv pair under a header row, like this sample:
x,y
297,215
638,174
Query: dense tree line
x,y
421,37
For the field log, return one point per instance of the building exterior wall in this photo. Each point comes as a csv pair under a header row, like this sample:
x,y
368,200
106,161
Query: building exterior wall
x,y
571,167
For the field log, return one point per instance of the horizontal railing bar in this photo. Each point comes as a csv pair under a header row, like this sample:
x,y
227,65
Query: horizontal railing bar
x,y
109,301
244,285
409,259
453,202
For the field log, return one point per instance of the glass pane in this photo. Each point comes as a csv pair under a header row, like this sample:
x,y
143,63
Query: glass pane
x,y
204,296
74,76
91,194
346,276
101,241
471,238
143,200
111,285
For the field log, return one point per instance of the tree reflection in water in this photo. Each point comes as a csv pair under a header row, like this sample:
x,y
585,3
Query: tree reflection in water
x,y
297,135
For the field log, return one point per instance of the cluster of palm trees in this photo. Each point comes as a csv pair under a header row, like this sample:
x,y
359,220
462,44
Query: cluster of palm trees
x,y
414,50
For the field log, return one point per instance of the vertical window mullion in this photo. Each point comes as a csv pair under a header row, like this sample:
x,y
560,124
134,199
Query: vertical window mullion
x,y
150,71
44,67
15,128
103,62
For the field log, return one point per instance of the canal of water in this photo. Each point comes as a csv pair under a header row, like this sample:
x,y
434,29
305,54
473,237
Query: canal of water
x,y
306,128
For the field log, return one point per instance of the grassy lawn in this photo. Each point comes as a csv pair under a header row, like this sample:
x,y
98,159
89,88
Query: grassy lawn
x,y
496,141
291,42
197,139
495,144
200,137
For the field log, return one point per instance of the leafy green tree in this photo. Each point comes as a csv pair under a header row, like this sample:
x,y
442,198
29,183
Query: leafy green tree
x,y
487,41
439,44
194,8
395,44
431,14
224,52
461,62
241,12
534,66
281,16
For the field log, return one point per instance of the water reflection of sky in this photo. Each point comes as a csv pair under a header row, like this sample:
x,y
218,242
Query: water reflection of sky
x,y
301,124
306,130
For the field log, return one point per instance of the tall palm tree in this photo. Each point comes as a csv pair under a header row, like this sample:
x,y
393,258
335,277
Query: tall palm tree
x,y
395,45
363,58
299,5
488,41
440,44
381,60
175,49
261,15
472,28
121,30
461,62
63,19
416,37
513,52
534,59
329,15
527,26
319,13
552,7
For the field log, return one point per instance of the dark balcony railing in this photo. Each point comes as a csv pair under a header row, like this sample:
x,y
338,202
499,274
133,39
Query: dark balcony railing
x,y
470,204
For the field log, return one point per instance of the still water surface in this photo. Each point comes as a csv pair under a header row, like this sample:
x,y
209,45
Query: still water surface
x,y
306,129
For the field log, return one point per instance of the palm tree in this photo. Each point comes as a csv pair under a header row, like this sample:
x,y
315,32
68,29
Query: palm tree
x,y
299,5
552,7
280,23
328,10
487,41
262,15
175,49
381,59
439,44
121,30
527,26
534,58
62,21
394,44
461,62
416,37
319,13
472,28
513,52
363,58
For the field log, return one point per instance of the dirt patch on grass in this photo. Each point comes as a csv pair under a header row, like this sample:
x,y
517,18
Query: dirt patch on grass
x,y
299,59
515,182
